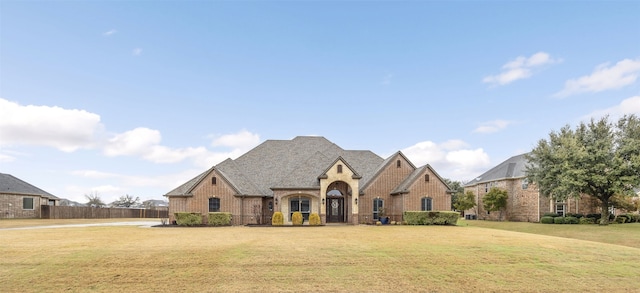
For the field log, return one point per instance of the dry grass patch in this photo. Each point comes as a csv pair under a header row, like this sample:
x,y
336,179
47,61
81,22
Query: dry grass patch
x,y
330,258
19,223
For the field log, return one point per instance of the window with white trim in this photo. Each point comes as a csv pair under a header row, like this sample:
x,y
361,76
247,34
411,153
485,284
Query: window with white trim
x,y
427,204
27,203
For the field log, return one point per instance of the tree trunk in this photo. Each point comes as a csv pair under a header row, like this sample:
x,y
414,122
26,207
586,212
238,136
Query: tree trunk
x,y
604,215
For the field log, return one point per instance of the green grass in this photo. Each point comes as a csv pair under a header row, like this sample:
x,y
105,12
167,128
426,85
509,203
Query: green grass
x,y
620,234
331,258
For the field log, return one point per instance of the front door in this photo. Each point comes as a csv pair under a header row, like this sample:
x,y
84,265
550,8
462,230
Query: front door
x,y
335,210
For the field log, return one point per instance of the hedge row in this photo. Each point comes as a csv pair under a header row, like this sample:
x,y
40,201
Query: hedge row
x,y
431,218
188,219
219,219
588,219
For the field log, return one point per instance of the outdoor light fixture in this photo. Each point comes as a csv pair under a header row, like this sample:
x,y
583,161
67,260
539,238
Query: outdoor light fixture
x,y
356,200
323,201
276,201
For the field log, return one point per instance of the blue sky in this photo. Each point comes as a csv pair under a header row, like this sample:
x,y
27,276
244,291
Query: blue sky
x,y
136,97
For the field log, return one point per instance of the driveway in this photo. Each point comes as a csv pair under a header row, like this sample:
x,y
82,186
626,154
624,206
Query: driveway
x,y
142,224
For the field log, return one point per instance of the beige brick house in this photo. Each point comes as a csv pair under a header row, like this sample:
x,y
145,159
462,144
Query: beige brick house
x,y
19,199
524,203
311,175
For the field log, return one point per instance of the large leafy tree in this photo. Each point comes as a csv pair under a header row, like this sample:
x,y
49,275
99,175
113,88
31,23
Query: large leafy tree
x,y
457,190
495,200
465,202
600,159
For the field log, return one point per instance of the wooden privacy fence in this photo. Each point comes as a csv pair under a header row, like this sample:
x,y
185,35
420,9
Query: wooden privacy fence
x,y
68,212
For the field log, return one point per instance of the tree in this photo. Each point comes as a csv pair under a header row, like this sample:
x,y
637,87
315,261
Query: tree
x,y
126,201
495,200
599,159
457,189
465,202
94,200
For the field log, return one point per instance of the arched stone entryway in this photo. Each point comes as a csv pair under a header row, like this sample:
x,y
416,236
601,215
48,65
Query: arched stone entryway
x,y
337,202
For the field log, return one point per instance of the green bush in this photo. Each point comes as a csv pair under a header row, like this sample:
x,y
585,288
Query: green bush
x,y
277,219
571,220
546,220
297,219
635,218
585,220
558,220
188,219
431,218
314,220
219,219
553,215
621,219
577,215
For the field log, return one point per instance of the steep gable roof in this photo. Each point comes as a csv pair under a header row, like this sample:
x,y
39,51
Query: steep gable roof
x,y
403,187
13,185
383,165
512,168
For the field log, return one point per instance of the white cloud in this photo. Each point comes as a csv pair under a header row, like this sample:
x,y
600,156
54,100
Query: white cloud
x,y
603,77
145,143
64,129
626,107
520,68
451,159
137,52
5,158
109,33
243,139
492,126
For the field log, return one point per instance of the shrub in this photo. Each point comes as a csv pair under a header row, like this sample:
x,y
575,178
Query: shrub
x,y
558,220
635,218
546,220
219,219
277,219
314,220
575,215
431,218
621,219
553,215
188,219
585,220
297,219
594,216
378,223
571,220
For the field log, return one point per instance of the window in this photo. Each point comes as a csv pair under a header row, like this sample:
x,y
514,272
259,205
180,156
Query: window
x,y
213,180
214,204
560,207
426,178
398,163
271,206
525,183
427,204
339,168
378,205
301,205
486,187
27,203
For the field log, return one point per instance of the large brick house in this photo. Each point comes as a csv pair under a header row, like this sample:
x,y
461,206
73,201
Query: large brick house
x,y
19,199
311,175
524,202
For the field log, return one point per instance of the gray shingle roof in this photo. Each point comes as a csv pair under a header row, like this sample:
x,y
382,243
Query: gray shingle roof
x,y
295,163
13,185
512,168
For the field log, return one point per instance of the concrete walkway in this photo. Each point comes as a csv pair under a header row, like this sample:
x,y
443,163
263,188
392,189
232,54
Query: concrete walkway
x,y
142,224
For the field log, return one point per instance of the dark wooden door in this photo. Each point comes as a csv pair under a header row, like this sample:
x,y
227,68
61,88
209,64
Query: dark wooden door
x,y
335,210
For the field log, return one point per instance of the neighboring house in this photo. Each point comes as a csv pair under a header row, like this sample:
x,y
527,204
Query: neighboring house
x,y
524,202
19,199
155,204
311,175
